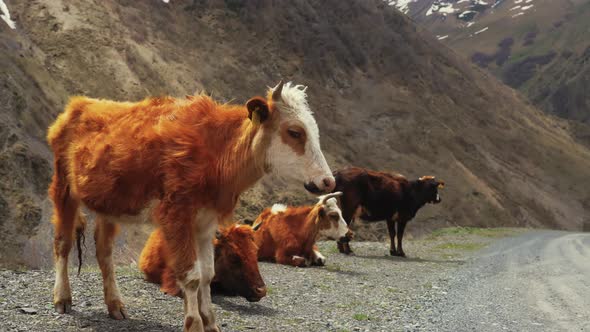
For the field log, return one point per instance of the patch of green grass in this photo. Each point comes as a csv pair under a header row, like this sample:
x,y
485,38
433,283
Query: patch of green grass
x,y
460,246
449,256
360,317
485,232
392,289
334,267
269,290
330,249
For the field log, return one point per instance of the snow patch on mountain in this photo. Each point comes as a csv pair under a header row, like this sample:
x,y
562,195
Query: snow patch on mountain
x,y
5,16
465,10
402,5
480,31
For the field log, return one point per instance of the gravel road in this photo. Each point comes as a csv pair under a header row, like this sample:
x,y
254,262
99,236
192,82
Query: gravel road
x,y
535,281
538,281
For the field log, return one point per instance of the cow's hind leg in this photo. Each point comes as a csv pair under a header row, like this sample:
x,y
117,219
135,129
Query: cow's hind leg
x,y
401,226
104,236
391,229
206,227
65,212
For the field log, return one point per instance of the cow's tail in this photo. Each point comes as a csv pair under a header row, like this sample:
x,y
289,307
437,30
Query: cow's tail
x,y
80,237
59,139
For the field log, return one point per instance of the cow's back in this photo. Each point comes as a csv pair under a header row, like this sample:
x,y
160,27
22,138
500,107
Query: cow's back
x,y
379,193
281,230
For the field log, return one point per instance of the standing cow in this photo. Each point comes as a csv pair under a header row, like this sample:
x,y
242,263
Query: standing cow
x,y
376,196
184,161
288,234
236,264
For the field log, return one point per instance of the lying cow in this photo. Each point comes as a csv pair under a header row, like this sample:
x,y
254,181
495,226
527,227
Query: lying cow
x,y
236,265
288,234
376,196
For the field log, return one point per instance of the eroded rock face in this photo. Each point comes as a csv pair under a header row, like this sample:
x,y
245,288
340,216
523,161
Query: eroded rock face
x,y
385,94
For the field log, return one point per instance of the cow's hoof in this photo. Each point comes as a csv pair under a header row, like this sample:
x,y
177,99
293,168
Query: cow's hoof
x,y
63,306
401,254
299,261
213,329
117,310
392,253
319,262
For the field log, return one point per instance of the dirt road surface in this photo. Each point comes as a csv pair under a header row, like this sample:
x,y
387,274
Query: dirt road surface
x,y
538,281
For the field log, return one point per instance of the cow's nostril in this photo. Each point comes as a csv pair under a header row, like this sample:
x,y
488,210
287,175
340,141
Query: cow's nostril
x,y
329,184
261,291
312,188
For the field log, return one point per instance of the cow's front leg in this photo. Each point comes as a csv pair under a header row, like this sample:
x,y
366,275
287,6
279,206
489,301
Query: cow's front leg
x,y
344,243
317,258
104,235
177,224
207,225
401,226
391,230
284,256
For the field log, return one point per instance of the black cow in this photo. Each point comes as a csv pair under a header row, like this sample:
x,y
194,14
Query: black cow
x,y
376,196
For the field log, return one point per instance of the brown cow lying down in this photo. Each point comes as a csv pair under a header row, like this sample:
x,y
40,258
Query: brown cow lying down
x,y
288,234
236,265
383,196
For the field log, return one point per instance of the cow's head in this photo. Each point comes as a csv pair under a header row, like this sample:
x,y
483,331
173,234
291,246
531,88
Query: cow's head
x,y
294,148
331,223
236,263
428,187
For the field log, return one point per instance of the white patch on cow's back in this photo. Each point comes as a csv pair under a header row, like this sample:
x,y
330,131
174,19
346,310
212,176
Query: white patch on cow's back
x,y
278,208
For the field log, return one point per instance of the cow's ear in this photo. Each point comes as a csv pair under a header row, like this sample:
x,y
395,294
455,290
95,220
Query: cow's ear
x,y
257,110
322,212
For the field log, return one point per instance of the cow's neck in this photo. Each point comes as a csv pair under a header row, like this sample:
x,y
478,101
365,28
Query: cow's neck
x,y
417,197
242,161
312,228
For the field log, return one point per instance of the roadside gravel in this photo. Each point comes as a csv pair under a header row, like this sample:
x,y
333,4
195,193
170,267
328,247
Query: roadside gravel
x,y
370,291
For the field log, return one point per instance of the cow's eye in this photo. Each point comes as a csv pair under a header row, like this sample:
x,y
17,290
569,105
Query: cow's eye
x,y
294,133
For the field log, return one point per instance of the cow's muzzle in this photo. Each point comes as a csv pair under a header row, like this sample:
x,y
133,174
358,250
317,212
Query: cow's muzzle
x,y
326,186
257,294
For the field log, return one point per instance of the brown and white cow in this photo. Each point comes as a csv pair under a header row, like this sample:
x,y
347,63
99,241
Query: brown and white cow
x,y
288,234
236,264
183,161
383,196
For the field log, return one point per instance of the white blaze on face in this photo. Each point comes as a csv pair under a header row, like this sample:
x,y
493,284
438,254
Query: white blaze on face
x,y
294,150
337,228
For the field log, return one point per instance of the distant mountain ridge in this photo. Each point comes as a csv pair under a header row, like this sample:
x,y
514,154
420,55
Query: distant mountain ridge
x,y
540,47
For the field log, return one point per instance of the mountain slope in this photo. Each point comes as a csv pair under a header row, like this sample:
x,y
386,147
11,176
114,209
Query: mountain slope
x,y
386,96
537,46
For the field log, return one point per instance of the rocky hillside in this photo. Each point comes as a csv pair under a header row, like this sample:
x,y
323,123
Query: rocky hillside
x,y
387,95
540,47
